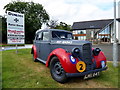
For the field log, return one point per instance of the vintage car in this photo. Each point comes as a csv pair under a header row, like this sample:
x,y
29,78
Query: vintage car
x,y
65,56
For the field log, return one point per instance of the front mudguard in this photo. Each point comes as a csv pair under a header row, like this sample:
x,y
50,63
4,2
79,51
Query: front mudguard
x,y
99,58
64,58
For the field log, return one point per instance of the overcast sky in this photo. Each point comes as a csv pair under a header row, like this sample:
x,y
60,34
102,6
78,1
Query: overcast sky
x,y
70,11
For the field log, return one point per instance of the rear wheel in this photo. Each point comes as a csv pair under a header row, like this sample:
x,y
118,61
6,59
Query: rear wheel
x,y
57,71
34,59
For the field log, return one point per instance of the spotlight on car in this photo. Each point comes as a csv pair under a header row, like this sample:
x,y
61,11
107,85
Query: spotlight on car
x,y
76,52
96,51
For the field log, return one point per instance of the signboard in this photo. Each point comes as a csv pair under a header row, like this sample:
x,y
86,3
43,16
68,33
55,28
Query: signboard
x,y
15,28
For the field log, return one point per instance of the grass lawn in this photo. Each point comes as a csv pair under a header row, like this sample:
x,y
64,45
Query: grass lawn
x,y
11,45
0,70
19,71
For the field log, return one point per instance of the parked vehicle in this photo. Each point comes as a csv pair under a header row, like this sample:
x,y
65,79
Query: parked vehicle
x,y
67,57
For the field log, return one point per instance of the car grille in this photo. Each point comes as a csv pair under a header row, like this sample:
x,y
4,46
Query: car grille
x,y
87,56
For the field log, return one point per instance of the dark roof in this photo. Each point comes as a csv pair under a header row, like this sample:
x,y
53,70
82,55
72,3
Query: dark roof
x,y
96,24
51,30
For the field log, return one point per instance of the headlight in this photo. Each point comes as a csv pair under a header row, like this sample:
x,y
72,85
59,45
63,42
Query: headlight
x,y
102,64
75,52
96,51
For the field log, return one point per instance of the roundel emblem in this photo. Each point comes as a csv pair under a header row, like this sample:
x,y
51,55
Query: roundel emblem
x,y
81,66
72,59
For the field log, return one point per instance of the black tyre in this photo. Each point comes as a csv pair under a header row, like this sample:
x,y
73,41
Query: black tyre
x,y
35,60
57,72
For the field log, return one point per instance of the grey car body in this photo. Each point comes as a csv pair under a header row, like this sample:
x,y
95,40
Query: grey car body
x,y
51,41
46,44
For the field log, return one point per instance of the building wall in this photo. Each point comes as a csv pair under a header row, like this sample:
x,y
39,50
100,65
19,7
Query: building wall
x,y
90,33
79,34
87,34
111,29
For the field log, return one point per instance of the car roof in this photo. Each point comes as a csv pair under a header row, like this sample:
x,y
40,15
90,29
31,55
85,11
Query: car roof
x,y
51,30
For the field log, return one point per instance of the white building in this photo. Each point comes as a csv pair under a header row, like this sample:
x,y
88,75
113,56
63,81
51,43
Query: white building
x,y
97,29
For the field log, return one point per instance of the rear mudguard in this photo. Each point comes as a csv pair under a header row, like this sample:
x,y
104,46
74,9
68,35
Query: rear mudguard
x,y
64,58
34,51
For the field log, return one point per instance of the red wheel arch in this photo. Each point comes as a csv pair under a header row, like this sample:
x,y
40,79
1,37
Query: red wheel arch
x,y
64,58
34,51
99,58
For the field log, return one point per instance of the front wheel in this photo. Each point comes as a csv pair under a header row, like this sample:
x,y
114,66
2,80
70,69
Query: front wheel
x,y
56,70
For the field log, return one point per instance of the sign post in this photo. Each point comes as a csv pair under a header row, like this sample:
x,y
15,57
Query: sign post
x,y
16,49
115,45
15,28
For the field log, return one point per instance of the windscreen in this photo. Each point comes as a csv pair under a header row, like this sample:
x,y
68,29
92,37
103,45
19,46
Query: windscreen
x,y
61,35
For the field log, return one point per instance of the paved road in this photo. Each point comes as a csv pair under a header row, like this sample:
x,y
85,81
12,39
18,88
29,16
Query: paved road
x,y
19,47
108,50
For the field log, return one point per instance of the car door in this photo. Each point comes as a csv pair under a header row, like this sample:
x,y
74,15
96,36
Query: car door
x,y
44,45
37,40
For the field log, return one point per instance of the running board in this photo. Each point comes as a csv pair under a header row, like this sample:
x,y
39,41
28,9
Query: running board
x,y
41,60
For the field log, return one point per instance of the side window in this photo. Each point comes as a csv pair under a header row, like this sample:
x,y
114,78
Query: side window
x,y
45,36
39,36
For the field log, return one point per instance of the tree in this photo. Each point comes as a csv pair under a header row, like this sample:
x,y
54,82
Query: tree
x,y
35,16
3,29
53,24
0,29
64,26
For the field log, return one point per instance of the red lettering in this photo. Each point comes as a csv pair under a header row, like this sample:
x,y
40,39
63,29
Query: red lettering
x,y
15,32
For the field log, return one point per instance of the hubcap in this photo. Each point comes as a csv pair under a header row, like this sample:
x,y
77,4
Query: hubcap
x,y
58,68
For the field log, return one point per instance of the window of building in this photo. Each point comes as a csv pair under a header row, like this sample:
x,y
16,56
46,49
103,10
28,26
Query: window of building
x,y
81,31
105,31
81,34
105,35
81,37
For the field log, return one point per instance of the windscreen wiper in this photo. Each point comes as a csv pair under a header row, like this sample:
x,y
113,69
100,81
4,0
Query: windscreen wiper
x,y
57,36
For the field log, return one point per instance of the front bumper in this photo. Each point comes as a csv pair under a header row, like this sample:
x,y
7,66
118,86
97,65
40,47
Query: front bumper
x,y
85,73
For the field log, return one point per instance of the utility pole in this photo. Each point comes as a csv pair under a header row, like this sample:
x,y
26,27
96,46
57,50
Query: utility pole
x,y
115,45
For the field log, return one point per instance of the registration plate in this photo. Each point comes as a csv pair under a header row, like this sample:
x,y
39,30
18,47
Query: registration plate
x,y
91,75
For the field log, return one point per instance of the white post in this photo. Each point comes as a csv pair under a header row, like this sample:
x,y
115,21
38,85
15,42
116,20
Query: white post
x,y
16,49
115,45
